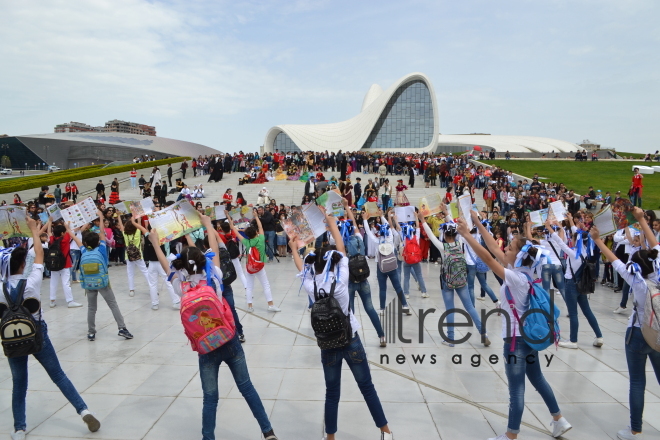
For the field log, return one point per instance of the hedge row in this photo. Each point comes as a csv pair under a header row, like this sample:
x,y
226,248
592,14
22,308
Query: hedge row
x,y
77,174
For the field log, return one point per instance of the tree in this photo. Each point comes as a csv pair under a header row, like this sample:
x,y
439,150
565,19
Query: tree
x,y
5,162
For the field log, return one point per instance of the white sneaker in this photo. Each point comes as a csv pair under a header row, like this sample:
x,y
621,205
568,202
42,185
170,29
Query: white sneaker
x,y
250,309
274,309
131,293
559,427
425,295
481,298
447,343
598,342
406,311
620,310
52,304
407,296
73,305
154,307
500,437
626,434
386,436
176,306
436,263
568,344
18,435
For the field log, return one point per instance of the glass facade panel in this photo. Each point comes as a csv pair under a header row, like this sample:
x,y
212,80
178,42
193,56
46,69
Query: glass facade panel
x,y
406,121
285,144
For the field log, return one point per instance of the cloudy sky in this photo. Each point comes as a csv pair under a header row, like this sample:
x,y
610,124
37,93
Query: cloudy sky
x,y
221,73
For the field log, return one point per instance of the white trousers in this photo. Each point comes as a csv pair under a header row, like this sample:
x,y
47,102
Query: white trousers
x,y
155,270
239,271
263,279
130,270
64,277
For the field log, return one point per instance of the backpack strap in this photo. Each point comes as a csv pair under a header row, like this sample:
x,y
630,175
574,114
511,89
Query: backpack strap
x,y
512,305
14,296
558,256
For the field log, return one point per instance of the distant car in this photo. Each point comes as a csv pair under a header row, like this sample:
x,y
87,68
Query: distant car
x,y
5,171
53,168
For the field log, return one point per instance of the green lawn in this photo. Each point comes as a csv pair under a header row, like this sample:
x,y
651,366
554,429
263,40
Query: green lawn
x,y
605,176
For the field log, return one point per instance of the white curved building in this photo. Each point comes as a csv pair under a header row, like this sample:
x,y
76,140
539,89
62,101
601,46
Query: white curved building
x,y
69,150
404,117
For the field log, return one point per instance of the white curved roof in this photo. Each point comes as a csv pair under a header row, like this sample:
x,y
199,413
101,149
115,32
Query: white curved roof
x,y
163,145
351,135
513,144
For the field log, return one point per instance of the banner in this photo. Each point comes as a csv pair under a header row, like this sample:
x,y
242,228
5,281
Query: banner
x,y
175,221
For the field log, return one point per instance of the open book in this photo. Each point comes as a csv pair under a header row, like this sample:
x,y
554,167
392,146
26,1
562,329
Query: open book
x,y
175,221
80,214
305,224
13,222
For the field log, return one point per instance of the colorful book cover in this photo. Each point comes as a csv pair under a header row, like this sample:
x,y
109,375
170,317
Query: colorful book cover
x,y
175,221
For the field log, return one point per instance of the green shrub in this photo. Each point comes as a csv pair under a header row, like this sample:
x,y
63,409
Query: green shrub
x,y
77,174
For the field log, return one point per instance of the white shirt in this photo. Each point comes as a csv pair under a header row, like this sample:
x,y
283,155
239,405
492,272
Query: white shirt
x,y
341,288
554,258
32,287
194,279
518,285
573,261
639,289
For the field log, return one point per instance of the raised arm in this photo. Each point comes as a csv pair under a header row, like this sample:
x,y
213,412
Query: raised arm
x,y
334,231
73,235
162,259
38,249
213,238
490,241
256,217
481,251
650,236
595,235
429,232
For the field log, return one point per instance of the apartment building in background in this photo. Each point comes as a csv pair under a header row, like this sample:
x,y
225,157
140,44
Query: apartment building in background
x,y
114,126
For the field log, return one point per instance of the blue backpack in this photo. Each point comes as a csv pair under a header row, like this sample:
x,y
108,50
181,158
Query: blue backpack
x,y
94,270
536,326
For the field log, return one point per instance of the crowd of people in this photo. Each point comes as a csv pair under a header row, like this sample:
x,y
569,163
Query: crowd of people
x,y
501,243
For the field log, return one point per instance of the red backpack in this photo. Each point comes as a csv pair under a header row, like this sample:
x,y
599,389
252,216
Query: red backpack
x,y
412,253
254,263
207,320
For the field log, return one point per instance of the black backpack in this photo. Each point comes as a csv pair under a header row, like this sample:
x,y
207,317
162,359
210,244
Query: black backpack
x,y
21,335
55,259
232,248
585,281
358,268
227,267
332,327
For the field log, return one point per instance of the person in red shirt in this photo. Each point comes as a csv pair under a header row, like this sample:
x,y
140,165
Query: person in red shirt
x,y
61,236
636,189
227,197
448,196
489,197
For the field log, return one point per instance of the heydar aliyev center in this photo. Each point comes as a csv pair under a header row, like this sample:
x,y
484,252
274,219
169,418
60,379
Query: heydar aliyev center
x,y
402,118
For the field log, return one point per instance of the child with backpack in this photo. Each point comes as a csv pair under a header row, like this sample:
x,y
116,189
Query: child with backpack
x,y
358,273
642,273
325,276
386,259
199,280
411,257
58,262
514,266
230,241
133,241
453,275
577,268
255,244
95,280
25,293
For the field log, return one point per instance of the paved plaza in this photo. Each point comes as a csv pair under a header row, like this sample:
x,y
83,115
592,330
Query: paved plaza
x,y
148,387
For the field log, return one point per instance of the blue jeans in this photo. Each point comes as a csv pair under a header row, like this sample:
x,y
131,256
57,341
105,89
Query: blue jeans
x,y
464,296
356,359
228,294
524,361
364,290
270,243
553,272
75,259
416,270
624,295
637,350
573,299
19,373
393,275
232,354
133,181
481,276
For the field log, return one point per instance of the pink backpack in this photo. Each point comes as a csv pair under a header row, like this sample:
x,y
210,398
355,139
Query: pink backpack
x,y
207,320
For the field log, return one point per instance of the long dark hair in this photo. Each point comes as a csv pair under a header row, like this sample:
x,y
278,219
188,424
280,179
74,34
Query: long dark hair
x,y
188,254
318,261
